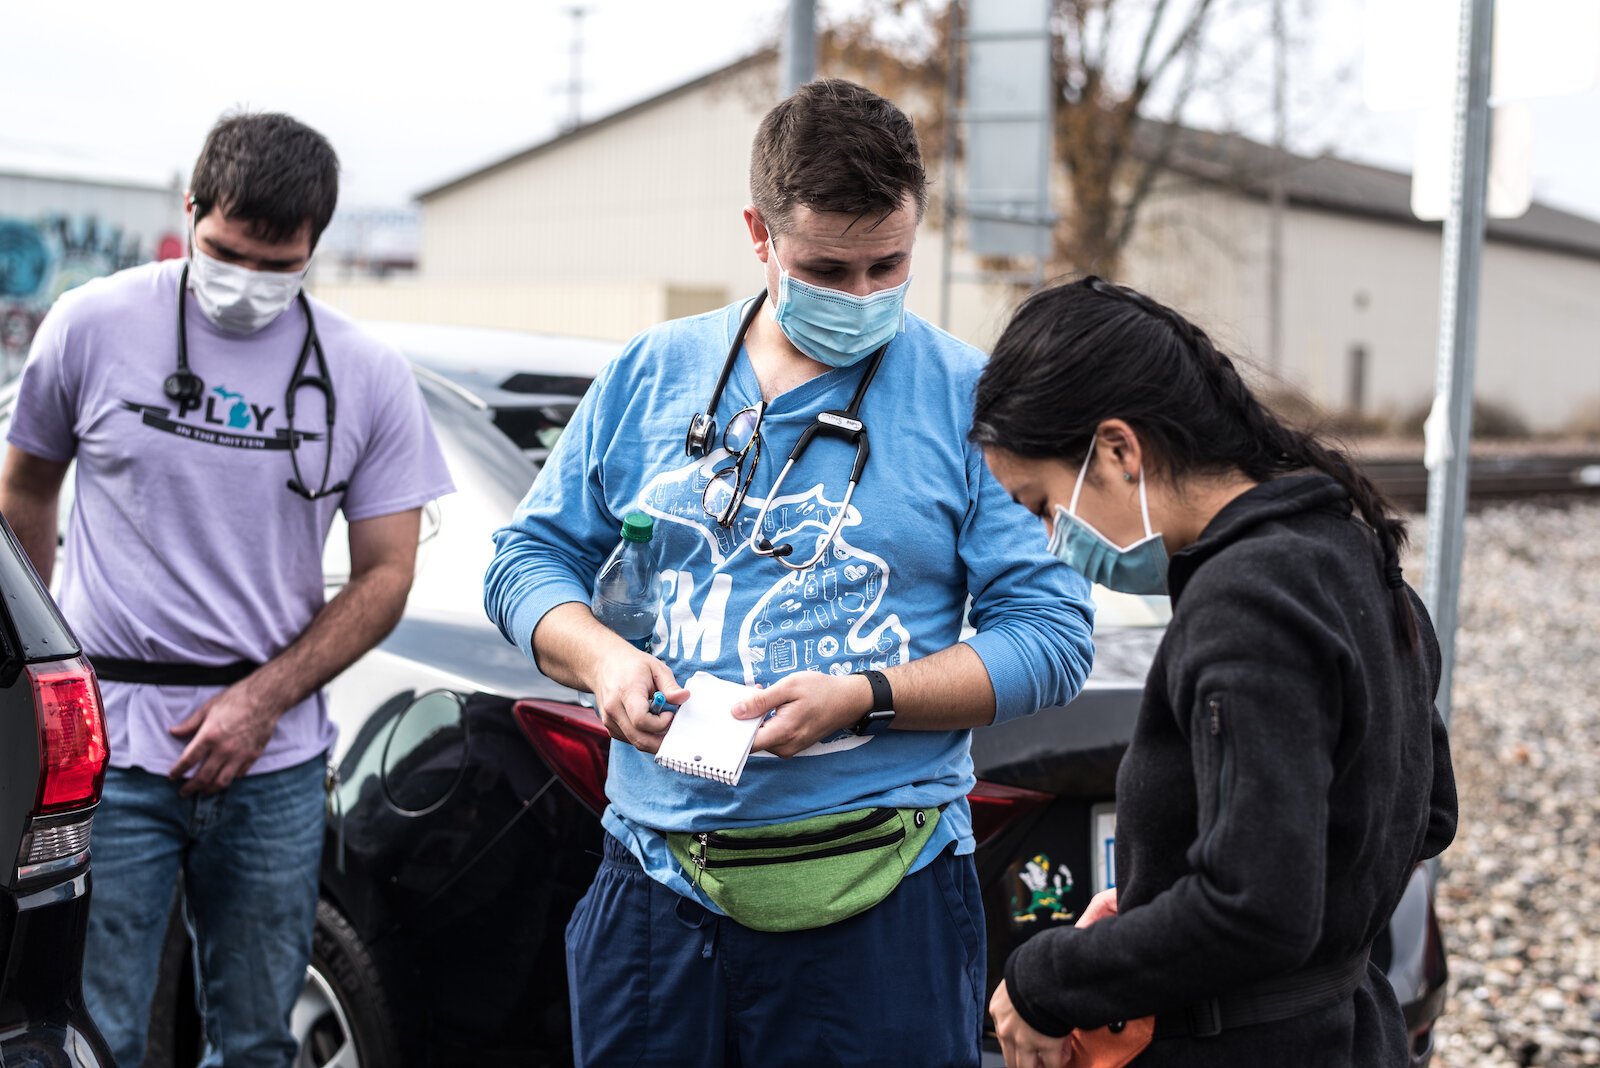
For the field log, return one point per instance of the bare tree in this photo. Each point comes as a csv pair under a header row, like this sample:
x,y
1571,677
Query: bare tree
x,y
1110,169
1123,73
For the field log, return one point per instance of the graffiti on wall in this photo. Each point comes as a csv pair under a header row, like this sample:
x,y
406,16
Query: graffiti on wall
x,y
41,259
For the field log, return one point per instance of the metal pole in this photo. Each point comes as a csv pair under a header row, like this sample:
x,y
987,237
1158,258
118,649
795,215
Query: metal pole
x,y
947,175
1047,152
1448,457
798,54
1276,197
575,69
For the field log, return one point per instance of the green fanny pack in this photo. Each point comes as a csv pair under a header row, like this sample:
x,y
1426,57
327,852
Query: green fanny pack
x,y
810,873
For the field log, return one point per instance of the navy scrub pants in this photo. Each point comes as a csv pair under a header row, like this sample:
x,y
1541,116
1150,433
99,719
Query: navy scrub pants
x,y
658,980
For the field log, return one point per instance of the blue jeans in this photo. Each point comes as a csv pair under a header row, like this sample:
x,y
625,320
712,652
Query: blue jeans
x,y
658,980
249,857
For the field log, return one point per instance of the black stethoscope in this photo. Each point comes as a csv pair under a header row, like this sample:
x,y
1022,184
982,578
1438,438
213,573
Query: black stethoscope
x,y
840,423
187,388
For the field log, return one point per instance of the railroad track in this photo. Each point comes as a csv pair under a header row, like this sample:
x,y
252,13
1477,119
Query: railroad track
x,y
1493,478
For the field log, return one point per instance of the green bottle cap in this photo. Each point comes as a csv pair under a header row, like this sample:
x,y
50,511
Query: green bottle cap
x,y
637,526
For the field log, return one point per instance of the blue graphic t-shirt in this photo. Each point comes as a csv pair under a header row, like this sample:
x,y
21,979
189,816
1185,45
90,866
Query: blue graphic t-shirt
x,y
928,528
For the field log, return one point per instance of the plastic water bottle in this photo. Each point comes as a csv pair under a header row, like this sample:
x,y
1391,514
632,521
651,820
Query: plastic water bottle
x,y
627,597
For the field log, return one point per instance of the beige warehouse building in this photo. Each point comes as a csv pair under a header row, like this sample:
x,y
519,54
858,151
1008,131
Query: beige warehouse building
x,y
635,217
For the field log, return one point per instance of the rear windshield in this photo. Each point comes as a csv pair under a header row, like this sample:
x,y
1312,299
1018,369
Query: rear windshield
x,y
33,628
535,430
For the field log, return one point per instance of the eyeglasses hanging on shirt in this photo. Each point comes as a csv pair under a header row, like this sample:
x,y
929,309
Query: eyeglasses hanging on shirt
x,y
730,482
238,302
731,479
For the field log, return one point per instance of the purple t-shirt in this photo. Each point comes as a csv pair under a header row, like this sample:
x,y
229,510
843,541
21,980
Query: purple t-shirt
x,y
185,544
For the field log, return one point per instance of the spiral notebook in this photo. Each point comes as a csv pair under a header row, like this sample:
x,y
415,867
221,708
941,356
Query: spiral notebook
x,y
704,738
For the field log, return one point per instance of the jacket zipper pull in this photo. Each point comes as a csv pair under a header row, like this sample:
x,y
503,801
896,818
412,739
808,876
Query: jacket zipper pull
x,y
1214,706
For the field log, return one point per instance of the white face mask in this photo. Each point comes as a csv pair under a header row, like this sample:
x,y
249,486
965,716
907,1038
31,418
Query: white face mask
x,y
237,299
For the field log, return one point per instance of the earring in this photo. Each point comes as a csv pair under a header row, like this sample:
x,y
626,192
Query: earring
x,y
1126,477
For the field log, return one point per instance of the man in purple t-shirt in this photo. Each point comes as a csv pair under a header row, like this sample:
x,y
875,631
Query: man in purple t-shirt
x,y
197,399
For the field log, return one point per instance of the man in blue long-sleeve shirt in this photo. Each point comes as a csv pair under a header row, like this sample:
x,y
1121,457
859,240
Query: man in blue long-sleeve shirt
x,y
847,609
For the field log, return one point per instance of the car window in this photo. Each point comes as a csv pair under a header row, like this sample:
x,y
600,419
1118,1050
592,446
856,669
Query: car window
x,y
1113,609
535,429
535,418
500,472
494,457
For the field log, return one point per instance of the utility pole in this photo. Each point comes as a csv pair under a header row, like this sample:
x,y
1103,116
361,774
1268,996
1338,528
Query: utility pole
x,y
1276,198
575,69
947,170
798,54
1449,429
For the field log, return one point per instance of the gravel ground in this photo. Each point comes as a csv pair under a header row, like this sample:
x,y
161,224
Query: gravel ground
x,y
1519,897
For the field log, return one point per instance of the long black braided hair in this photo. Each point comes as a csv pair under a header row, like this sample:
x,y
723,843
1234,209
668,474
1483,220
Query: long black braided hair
x,y
1074,355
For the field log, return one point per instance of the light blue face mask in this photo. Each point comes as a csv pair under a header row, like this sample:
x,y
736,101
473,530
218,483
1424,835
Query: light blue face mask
x,y
833,327
1139,568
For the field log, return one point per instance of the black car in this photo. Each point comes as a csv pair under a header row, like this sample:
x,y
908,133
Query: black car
x,y
464,824
52,764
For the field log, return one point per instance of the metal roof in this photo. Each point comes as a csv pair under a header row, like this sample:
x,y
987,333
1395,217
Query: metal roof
x,y
1338,185
54,165
586,128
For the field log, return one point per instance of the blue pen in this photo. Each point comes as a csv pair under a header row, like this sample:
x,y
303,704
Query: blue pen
x,y
660,704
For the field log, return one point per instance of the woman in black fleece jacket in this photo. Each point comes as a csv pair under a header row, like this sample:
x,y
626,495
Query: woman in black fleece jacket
x,y
1288,769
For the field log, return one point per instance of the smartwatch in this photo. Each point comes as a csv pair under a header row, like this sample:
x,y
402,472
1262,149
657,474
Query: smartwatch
x,y
881,716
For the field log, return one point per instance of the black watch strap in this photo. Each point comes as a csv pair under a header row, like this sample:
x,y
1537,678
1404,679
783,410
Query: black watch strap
x,y
882,693
880,717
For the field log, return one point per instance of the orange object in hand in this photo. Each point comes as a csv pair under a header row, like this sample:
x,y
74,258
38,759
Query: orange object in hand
x,y
1109,1047
1117,1044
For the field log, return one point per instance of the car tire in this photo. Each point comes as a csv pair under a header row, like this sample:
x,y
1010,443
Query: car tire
x,y
342,1018
174,1037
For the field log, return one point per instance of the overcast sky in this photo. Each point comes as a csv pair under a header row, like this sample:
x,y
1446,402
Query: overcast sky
x,y
413,94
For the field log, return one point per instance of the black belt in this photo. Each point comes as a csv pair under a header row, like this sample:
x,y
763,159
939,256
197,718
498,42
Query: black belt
x,y
154,673
1276,999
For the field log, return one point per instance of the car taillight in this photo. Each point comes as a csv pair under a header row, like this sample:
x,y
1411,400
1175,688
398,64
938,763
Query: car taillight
x,y
72,767
996,807
572,742
72,735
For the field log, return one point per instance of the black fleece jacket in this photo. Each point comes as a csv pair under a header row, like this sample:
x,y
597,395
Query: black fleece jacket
x,y
1287,771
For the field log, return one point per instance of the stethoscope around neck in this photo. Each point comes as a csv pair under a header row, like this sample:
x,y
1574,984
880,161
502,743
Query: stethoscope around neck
x,y
844,424
187,388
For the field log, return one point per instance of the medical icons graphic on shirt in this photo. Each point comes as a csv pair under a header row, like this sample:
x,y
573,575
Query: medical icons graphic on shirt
x,y
828,618
678,497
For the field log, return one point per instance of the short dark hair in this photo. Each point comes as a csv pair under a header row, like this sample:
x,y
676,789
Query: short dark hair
x,y
274,172
1074,355
835,146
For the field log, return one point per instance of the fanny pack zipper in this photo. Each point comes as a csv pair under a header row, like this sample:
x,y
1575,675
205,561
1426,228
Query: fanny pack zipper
x,y
872,819
703,862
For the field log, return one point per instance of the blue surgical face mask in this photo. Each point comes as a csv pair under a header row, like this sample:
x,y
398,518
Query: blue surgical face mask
x,y
1138,568
834,327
